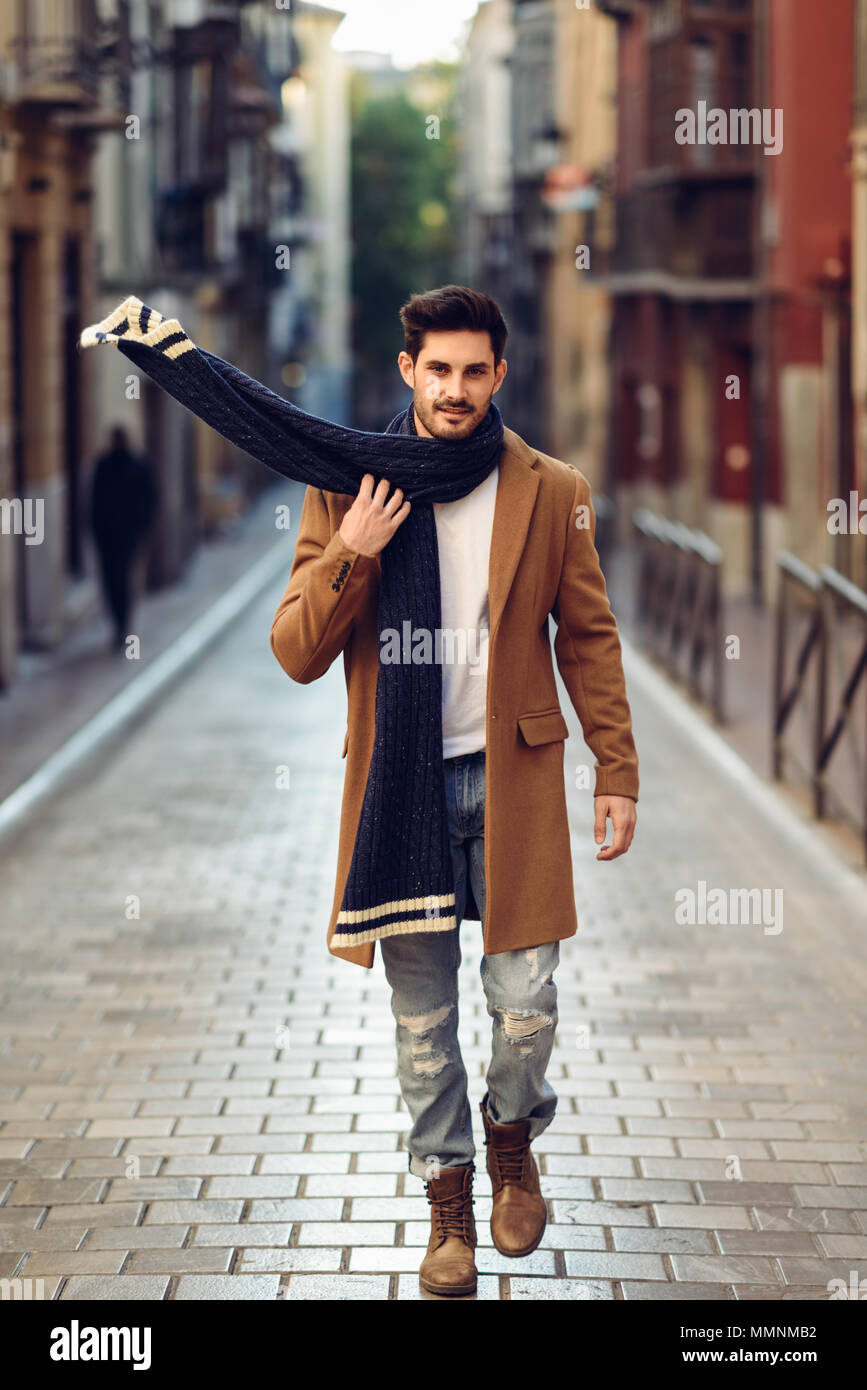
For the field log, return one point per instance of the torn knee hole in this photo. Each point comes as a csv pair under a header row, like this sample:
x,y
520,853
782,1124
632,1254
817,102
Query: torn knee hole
x,y
426,1062
424,1023
522,1024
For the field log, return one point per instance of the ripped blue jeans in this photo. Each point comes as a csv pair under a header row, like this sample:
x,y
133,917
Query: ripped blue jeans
x,y
422,969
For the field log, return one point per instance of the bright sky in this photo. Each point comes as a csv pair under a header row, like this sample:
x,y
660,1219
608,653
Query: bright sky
x,y
411,31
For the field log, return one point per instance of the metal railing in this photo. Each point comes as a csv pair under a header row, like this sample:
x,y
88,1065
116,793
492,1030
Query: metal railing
x,y
822,595
679,606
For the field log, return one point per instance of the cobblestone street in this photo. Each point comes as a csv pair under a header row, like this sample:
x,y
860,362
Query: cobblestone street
x,y
198,1101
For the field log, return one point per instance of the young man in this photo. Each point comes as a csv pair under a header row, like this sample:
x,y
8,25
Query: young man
x,y
512,551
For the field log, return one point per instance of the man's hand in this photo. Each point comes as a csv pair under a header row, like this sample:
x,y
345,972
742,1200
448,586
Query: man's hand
x,y
621,809
373,517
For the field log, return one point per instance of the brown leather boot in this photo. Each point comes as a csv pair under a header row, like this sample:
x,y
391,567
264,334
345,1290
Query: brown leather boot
x,y
449,1267
519,1214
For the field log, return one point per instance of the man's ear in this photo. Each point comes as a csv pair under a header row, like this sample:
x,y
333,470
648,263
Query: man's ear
x,y
407,370
499,374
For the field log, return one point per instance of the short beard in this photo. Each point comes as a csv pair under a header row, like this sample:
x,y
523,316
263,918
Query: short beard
x,y
442,428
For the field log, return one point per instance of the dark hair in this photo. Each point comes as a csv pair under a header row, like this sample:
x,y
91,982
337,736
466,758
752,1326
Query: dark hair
x,y
450,309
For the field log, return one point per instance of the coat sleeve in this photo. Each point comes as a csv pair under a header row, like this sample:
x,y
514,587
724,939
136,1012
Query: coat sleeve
x,y
327,586
588,654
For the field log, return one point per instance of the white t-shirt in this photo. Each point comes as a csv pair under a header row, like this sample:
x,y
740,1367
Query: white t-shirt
x,y
464,539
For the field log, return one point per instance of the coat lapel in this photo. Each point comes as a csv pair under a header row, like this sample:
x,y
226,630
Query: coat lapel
x,y
517,486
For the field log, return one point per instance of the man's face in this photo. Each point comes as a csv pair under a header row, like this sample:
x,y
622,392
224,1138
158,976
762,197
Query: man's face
x,y
452,380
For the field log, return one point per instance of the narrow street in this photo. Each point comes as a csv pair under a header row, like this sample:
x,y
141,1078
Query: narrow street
x,y
229,1123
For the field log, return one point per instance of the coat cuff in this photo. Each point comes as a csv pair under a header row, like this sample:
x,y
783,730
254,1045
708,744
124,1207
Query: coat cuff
x,y
615,784
343,561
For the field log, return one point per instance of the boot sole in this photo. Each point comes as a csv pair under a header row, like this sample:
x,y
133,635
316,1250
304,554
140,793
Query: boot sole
x,y
448,1291
519,1254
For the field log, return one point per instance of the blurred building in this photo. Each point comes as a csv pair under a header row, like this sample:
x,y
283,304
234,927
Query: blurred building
x,y
858,568
189,199
319,99
156,147
55,96
576,193
729,274
538,107
484,95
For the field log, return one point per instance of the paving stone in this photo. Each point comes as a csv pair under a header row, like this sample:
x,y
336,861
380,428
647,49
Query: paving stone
x,y
107,1214
192,1213
608,1213
239,1288
268,1185
846,1247
342,1288
137,1237
779,1293
135,1288
63,1262
555,1290
345,1233
804,1271
213,1260
391,1209
666,1241
794,1218
248,1233
308,1260
724,1269
389,1259
65,1191
606,1264
767,1242
282,1164
636,1291
210,1165
354,1185
643,1190
702,1217
741,1193
153,1189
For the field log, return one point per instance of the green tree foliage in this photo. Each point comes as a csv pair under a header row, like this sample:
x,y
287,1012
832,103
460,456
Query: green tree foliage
x,y
403,225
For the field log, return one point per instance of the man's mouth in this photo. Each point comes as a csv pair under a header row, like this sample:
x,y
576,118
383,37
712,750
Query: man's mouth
x,y
453,410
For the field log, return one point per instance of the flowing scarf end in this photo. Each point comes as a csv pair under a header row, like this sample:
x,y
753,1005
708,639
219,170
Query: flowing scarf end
x,y
136,322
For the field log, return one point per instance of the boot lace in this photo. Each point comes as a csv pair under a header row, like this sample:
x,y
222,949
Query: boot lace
x,y
509,1162
453,1215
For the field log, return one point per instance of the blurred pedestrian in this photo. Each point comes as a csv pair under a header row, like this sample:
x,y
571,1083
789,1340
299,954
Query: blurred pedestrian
x,y
123,502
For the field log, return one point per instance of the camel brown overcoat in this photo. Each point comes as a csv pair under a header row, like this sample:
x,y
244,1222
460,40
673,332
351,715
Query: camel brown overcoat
x,y
543,561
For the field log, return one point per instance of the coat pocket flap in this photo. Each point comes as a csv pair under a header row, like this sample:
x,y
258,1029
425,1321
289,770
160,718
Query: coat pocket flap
x,y
345,744
544,727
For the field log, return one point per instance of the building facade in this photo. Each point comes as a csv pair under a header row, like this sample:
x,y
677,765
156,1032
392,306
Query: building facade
x,y
729,273
155,148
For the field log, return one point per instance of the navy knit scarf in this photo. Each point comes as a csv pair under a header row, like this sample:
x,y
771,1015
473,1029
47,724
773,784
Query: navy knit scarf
x,y
400,877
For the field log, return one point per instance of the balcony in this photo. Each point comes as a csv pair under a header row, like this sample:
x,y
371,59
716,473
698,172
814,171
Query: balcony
x,y
53,53
700,233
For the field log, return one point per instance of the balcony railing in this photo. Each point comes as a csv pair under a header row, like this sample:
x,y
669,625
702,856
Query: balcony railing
x,y
53,47
701,234
827,657
679,603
